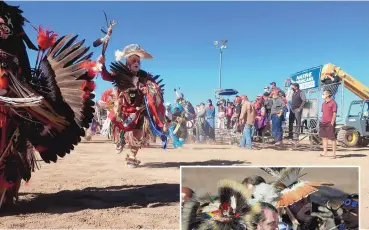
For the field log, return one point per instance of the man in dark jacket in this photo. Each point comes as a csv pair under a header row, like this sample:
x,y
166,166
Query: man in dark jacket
x,y
297,104
267,103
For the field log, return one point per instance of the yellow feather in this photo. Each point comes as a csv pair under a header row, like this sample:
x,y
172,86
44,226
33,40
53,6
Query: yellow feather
x,y
249,218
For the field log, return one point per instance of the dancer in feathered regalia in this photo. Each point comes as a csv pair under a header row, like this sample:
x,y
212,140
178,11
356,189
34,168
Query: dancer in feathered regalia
x,y
44,109
107,101
139,106
95,125
177,128
182,112
229,210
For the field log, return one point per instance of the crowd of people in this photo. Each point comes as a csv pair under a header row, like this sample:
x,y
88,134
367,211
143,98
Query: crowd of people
x,y
267,114
268,110
264,116
283,204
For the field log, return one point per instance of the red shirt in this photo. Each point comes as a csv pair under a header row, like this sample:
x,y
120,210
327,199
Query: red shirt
x,y
229,112
328,108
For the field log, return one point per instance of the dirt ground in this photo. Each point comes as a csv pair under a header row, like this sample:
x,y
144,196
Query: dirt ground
x,y
92,188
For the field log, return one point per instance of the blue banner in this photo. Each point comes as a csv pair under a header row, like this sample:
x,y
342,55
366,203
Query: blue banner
x,y
308,79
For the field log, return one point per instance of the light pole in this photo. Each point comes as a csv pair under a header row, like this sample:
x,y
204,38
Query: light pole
x,y
222,44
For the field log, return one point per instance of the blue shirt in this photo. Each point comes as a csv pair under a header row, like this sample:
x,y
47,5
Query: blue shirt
x,y
210,112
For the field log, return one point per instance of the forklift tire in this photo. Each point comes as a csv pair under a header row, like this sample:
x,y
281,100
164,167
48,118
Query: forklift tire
x,y
350,138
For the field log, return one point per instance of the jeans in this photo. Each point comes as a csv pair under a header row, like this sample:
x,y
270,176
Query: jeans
x,y
295,116
229,122
220,121
209,128
277,131
246,140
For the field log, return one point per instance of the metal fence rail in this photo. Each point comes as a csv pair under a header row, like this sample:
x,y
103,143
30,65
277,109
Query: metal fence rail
x,y
311,116
312,111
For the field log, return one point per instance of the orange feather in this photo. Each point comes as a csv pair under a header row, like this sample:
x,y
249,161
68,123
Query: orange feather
x,y
298,193
105,96
46,38
88,86
90,65
4,82
86,95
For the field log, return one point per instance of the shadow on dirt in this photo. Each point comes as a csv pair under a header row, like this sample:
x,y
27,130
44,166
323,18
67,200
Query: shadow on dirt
x,y
96,142
67,201
206,148
197,163
315,148
157,146
351,155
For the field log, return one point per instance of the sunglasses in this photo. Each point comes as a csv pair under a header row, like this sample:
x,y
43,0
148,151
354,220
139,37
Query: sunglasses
x,y
347,203
350,203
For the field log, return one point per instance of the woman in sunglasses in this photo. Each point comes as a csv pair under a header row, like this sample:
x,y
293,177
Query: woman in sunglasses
x,y
350,215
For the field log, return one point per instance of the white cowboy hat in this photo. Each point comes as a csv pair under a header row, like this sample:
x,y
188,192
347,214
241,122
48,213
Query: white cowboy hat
x,y
130,50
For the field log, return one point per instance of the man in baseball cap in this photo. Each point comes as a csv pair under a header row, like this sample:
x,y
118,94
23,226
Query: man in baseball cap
x,y
243,97
274,89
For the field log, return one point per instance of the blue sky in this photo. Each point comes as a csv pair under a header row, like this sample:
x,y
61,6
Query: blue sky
x,y
268,41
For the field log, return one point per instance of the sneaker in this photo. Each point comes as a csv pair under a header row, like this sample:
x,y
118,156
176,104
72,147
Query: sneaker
x,y
119,151
132,163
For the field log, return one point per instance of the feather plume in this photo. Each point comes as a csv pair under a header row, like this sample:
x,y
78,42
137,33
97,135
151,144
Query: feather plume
x,y
298,192
233,198
46,38
275,172
291,189
177,93
119,55
189,215
91,66
249,219
65,74
287,177
4,82
107,93
265,193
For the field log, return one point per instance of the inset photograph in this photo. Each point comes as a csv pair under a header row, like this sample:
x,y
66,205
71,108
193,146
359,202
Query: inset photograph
x,y
270,198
